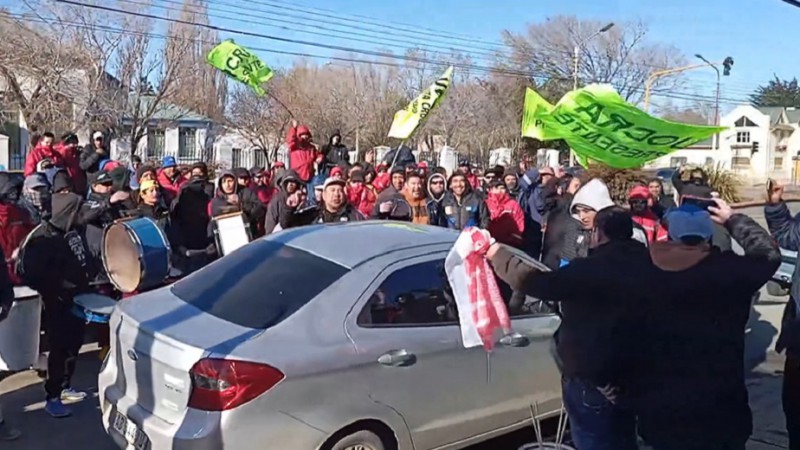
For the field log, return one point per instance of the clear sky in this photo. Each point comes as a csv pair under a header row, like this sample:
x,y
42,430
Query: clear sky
x,y
756,33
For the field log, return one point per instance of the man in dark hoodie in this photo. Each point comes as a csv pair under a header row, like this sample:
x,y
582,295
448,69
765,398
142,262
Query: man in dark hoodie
x,y
336,153
391,198
463,208
688,387
596,294
189,221
249,201
289,184
94,153
55,262
785,228
511,179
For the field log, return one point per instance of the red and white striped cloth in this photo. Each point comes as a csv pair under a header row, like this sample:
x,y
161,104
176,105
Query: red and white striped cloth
x,y
481,308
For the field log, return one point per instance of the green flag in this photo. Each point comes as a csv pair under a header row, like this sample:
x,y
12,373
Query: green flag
x,y
408,119
600,126
238,63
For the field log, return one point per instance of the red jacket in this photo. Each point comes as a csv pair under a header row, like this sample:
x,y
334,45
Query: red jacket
x,y
301,154
264,193
39,153
652,226
15,224
169,188
363,198
507,219
72,163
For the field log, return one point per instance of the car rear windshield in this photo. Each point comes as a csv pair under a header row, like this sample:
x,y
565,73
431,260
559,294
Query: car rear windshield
x,y
259,285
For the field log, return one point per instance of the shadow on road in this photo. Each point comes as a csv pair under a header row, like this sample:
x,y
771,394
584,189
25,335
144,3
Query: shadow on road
x,y
760,334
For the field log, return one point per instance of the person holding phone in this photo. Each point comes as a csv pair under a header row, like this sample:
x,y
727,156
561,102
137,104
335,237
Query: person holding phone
x,y
785,228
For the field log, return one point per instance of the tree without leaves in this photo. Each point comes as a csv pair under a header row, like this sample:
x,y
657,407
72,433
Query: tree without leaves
x,y
620,56
697,113
777,92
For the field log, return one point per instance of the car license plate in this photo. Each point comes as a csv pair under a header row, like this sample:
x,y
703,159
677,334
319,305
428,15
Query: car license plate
x,y
131,432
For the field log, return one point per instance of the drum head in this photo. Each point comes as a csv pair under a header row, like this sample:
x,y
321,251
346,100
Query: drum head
x,y
121,258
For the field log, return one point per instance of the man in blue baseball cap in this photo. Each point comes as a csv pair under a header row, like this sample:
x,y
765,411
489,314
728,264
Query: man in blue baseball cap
x,y
689,389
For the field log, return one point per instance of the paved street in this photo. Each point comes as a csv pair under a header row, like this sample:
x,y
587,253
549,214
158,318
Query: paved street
x,y
21,395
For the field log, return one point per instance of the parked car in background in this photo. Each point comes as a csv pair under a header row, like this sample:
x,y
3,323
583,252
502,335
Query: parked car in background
x,y
324,337
781,282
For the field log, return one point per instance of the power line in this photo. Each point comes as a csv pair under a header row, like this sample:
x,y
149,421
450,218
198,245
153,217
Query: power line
x,y
668,94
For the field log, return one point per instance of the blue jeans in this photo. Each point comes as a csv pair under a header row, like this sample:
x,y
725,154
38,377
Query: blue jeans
x,y
594,422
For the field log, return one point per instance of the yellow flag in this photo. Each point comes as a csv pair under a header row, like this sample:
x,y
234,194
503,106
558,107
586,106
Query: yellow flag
x,y
412,116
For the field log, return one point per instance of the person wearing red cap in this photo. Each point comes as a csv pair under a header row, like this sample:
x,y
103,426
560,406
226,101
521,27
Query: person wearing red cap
x,y
302,151
640,201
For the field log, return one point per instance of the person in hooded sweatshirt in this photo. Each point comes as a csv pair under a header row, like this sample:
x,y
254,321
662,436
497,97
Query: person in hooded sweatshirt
x,y
688,386
463,208
56,262
436,187
36,197
249,201
507,221
15,220
359,194
421,210
511,180
302,151
289,184
262,185
336,153
593,344
590,199
170,179
639,199
189,221
533,205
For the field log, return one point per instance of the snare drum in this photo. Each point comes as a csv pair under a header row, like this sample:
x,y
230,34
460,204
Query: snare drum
x,y
136,254
93,308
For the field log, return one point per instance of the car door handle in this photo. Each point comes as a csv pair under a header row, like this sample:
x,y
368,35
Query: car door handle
x,y
515,340
397,358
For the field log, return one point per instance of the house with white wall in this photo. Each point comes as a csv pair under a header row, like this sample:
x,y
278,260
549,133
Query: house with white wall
x,y
759,143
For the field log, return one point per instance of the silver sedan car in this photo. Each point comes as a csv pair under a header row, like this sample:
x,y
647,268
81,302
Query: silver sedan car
x,y
326,337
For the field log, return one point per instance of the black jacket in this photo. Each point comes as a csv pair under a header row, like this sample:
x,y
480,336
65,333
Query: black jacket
x,y
336,154
471,211
689,379
316,215
596,295
558,221
786,231
277,211
90,159
189,215
55,260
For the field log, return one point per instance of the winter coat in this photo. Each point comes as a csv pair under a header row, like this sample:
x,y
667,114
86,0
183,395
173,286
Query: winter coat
x,y
363,199
71,161
404,157
319,215
785,229
507,221
39,153
336,154
691,341
277,210
189,215
301,154
469,211
170,188
90,159
651,225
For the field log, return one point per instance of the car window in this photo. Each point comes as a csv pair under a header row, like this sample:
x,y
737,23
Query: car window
x,y
415,295
520,305
259,285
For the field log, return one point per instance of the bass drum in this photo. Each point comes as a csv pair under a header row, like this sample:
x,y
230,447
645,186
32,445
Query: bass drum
x,y
136,254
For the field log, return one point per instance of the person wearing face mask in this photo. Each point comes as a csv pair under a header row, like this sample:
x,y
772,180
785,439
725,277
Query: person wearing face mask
x,y
250,204
359,194
15,220
302,151
590,199
189,220
639,199
36,197
43,150
71,161
463,208
507,221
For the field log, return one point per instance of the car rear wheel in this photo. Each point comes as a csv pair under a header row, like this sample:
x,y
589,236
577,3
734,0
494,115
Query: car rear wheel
x,y
360,440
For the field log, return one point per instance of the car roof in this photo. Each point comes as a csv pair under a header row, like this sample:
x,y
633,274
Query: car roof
x,y
353,243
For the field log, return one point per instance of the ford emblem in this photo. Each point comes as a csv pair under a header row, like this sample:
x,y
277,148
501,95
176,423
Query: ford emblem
x,y
132,355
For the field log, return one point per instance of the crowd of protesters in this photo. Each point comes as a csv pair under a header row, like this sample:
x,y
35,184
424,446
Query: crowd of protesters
x,y
625,366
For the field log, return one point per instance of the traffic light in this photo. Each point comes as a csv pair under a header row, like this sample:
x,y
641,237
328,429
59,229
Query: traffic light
x,y
726,66
755,147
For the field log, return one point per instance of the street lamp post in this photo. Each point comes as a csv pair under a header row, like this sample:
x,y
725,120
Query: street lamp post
x,y
576,56
716,100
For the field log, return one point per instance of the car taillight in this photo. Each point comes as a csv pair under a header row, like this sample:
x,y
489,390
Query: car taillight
x,y
222,384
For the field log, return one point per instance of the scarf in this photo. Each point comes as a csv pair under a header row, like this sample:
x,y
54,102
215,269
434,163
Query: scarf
x,y
481,308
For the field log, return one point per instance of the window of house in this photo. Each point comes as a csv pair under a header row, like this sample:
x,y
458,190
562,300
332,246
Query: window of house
x,y
155,143
9,126
744,122
259,160
740,159
778,164
236,157
187,143
742,137
677,161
